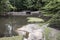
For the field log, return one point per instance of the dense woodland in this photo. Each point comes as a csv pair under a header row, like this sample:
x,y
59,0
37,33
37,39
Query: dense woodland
x,y
47,7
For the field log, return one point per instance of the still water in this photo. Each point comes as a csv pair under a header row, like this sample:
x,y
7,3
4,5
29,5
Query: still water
x,y
14,21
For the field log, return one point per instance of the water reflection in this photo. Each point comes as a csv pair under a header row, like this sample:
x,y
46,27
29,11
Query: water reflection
x,y
9,29
7,23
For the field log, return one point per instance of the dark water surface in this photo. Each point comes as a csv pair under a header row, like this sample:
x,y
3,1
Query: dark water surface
x,y
14,21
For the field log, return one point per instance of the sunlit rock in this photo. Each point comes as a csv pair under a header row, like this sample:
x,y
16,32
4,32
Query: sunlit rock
x,y
28,28
36,35
31,32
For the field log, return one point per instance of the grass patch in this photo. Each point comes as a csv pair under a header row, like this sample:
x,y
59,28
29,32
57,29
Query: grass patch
x,y
47,33
12,38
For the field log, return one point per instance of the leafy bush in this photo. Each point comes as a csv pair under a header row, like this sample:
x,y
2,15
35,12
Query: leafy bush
x,y
55,21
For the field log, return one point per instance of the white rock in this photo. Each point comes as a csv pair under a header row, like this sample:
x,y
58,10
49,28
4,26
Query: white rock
x,y
36,35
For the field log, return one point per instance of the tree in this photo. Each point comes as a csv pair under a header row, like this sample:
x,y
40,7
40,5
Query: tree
x,y
5,6
26,4
52,7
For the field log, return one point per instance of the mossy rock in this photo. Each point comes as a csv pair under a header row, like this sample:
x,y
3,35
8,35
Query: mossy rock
x,y
35,19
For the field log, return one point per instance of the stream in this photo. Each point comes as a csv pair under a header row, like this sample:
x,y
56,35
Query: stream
x,y
9,24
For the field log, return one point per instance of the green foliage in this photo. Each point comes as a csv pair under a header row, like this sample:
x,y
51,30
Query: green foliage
x,y
5,6
26,4
46,5
52,7
55,21
19,4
